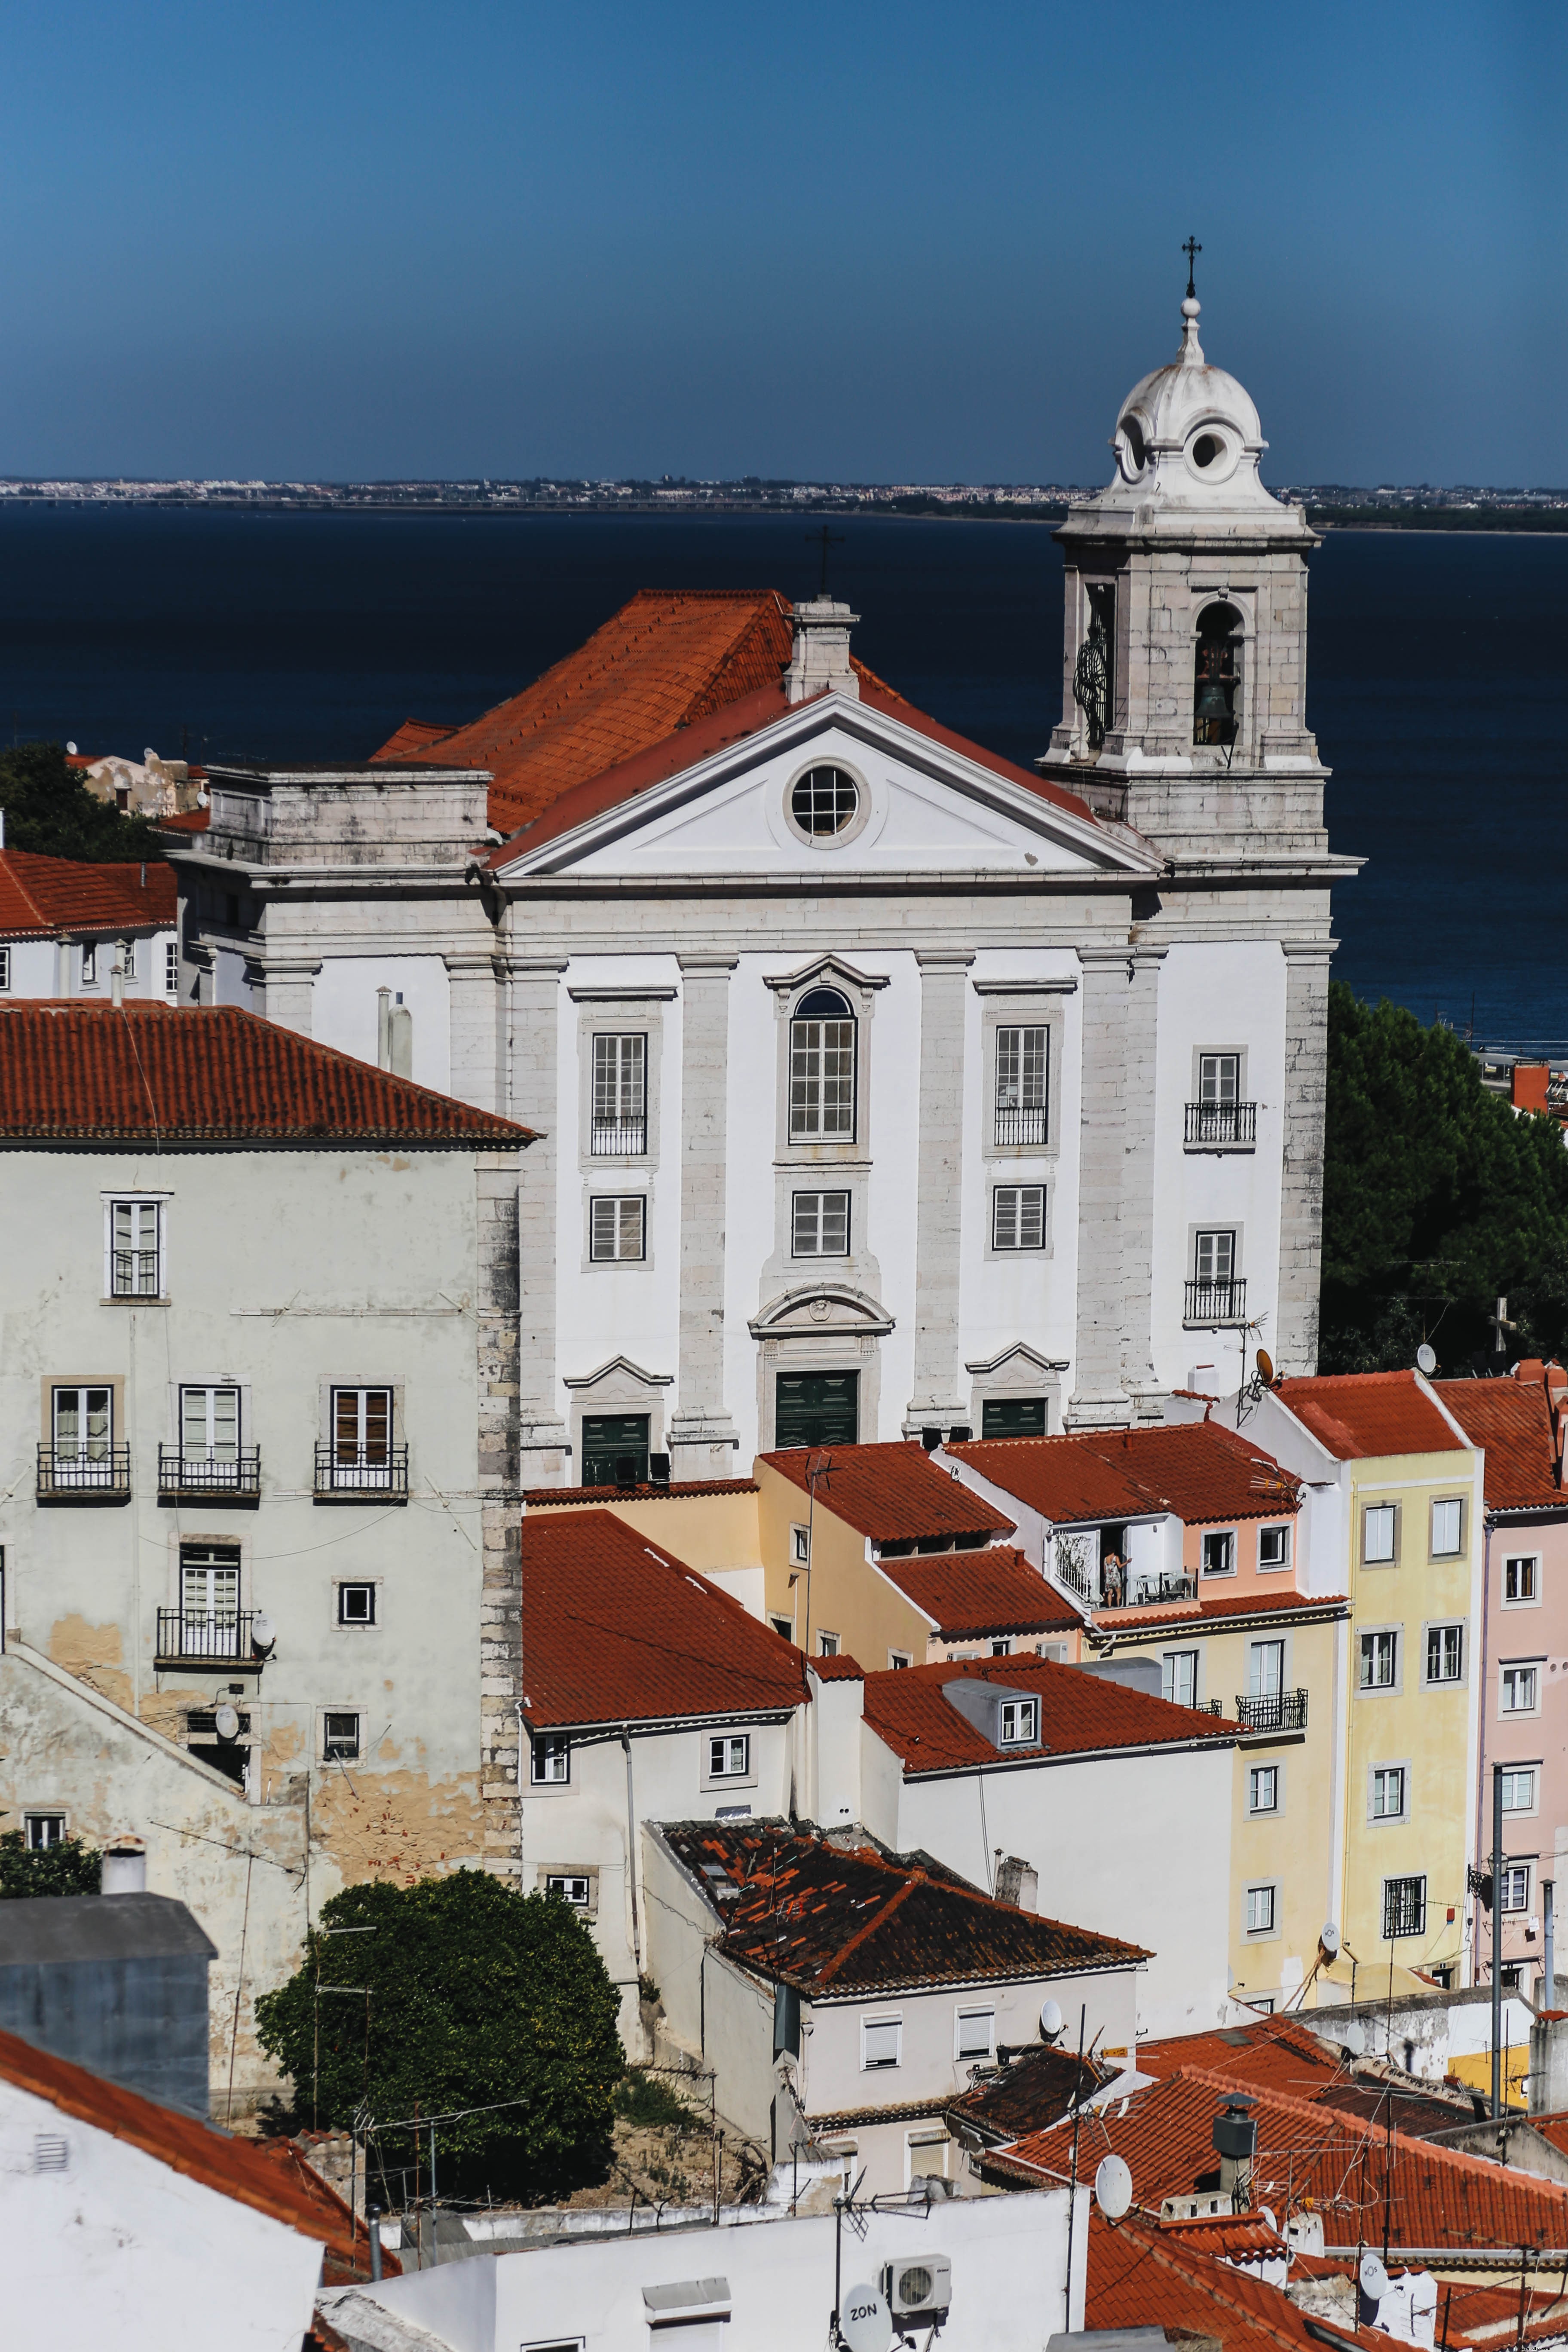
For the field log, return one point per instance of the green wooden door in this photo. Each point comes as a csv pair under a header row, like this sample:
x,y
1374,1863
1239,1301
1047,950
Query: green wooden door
x,y
614,1449
818,1409
1012,1417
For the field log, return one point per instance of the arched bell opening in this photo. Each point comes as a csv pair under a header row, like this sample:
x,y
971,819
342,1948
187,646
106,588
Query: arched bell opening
x,y
1216,675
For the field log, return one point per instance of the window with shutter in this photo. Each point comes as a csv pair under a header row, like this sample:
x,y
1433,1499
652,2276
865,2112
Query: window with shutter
x,y
880,2041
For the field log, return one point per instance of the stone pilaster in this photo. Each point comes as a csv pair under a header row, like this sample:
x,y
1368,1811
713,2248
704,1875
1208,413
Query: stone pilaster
x,y
937,1399
1302,1185
1113,1368
542,1437
477,981
702,1437
283,989
1141,1040
501,1593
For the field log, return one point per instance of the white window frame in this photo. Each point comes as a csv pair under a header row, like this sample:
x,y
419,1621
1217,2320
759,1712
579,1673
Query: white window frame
x,y
1021,1083
1025,1732
547,1752
1381,1688
1377,1789
1190,1660
816,1107
621,1218
5,970
1215,1273
335,1745
139,1207
1260,1910
37,1817
1381,1513
1275,1776
729,1755
808,1223
618,1094
1513,1774
826,1642
209,1445
1530,1560
882,2025
900,1662
560,1882
359,1584
1224,1541
1443,1626
1261,1656
800,1546
1516,1877
1447,1502
1513,1672
1272,1567
782,1626
171,967
982,2017
1026,1219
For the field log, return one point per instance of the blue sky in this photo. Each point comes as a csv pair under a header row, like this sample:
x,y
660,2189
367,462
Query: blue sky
x,y
365,238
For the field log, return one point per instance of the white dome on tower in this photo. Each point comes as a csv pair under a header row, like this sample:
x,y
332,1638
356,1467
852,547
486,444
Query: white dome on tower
x,y
1190,433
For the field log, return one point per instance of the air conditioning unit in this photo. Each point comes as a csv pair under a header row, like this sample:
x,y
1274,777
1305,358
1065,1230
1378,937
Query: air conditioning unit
x,y
919,2290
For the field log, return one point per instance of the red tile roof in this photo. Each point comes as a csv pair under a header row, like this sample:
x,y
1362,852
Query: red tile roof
x,y
839,1668
1202,1472
892,1493
615,1631
1363,1415
1080,1714
268,2175
195,820
674,1490
831,1919
1177,2279
1511,1419
1271,2053
1468,2208
143,1073
1257,1601
1036,2088
969,1594
56,897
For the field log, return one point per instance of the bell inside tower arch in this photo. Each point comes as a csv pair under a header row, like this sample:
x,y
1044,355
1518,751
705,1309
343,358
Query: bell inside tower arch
x,y
1217,675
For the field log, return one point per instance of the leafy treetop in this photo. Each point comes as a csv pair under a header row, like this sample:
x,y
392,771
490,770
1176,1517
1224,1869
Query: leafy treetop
x,y
49,810
68,1868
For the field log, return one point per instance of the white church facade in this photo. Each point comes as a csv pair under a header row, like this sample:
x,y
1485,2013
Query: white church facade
x,y
880,1086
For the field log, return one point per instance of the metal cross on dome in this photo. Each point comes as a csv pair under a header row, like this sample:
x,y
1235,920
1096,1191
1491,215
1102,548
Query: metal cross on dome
x,y
1192,250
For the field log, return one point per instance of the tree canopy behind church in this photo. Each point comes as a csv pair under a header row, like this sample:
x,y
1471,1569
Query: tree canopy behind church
x,y
49,810
479,1999
1437,1200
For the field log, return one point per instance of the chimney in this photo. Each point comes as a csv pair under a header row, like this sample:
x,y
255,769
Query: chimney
x,y
1235,2144
124,1867
820,659
117,978
1017,1883
383,1028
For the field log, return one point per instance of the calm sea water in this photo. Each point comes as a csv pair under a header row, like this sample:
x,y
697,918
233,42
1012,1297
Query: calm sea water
x,y
1437,677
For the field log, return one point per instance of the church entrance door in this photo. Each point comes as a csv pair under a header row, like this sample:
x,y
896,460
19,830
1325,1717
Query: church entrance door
x,y
818,1409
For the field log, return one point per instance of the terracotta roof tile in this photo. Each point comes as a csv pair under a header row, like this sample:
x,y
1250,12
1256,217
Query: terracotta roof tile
x,y
832,1920
1267,2053
269,2176
674,1490
1255,1601
1178,2281
1080,1713
615,1630
839,1668
1198,1470
1032,2092
893,1493
144,1073
59,897
1363,1415
969,1594
1511,1420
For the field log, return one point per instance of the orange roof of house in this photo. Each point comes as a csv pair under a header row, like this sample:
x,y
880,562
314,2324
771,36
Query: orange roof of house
x,y
1080,1713
1198,1470
1361,1415
269,2176
1272,2053
1511,1419
1178,2278
673,1490
60,898
1255,1601
894,1492
616,1631
152,1073
969,1594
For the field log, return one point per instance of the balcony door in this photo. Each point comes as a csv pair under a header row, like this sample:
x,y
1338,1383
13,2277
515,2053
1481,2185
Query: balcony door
x,y
362,1437
84,1437
1265,1669
817,1409
209,1600
209,1425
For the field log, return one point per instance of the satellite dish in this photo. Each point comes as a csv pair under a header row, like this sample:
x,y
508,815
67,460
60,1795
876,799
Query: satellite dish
x,y
1372,2276
1265,1366
226,1723
1112,2188
1050,2021
1426,1359
1329,1939
263,1632
864,2322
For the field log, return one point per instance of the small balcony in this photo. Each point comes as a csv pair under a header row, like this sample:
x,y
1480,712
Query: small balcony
x,y
1148,1592
361,1474
207,1478
96,1472
624,1138
1221,1127
1021,1124
1273,1711
220,1638
1210,1303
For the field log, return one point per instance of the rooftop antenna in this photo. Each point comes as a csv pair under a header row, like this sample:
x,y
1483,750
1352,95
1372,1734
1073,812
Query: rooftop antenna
x,y
825,540
1192,250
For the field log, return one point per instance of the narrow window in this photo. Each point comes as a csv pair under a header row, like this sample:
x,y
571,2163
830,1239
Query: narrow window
x,y
615,1226
822,1069
1448,1525
135,1239
1260,1910
171,967
1179,1678
1023,1065
1404,1907
209,1602
1214,1272
1518,1690
1379,1528
1019,1218
620,1096
1445,1654
356,1604
1379,1661
730,1757
1263,1788
820,1225
1265,1669
339,1737
1018,1723
1216,675
1219,1552
83,1453
1519,1790
1388,1793
1516,1887
976,2035
1273,1547
4,968
89,964
551,1758
128,959
1519,1579
800,1546
880,2041
209,1427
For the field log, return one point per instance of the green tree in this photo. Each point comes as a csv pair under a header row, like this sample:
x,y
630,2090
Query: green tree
x,y
68,1868
1437,1198
49,810
479,1998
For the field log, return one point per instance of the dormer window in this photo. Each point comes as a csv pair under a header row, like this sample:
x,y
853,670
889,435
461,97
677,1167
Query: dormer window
x,y
1216,675
822,1069
1018,1723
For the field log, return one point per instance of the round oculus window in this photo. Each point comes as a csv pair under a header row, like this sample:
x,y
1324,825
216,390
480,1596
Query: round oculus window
x,y
824,801
1206,449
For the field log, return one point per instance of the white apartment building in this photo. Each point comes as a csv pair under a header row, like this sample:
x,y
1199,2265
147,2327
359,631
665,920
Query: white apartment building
x,y
881,1085
70,928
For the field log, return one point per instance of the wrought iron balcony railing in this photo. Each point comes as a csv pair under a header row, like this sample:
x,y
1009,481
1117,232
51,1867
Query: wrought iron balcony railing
x,y
1222,1123
624,1138
1273,1711
361,1474
1215,1302
207,1478
220,1637
96,1472
1022,1123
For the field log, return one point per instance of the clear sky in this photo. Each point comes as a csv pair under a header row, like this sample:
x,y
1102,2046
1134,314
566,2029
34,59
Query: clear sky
x,y
888,242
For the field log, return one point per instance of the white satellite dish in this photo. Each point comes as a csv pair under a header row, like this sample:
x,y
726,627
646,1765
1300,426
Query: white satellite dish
x,y
1426,1359
1329,1939
1373,2277
1050,2021
226,1723
263,1632
1112,2188
864,2322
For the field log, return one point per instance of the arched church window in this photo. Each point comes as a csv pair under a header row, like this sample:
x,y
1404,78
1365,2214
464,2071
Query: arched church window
x,y
822,1069
1094,680
1216,675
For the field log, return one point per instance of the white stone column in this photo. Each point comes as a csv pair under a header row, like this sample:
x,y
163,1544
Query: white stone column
x,y
937,1400
1113,1366
544,1444
702,1436
497,1179
287,988
1302,1177
477,1001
